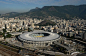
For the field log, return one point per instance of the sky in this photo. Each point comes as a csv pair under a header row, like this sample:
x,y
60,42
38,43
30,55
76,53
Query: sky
x,y
21,6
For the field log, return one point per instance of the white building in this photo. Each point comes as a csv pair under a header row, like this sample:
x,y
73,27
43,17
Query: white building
x,y
38,38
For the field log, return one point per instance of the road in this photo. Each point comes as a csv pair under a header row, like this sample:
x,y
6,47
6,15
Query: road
x,y
68,48
79,41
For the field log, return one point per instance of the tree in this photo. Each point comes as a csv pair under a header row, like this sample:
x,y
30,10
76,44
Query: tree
x,y
8,35
4,35
23,22
0,33
5,26
4,30
29,29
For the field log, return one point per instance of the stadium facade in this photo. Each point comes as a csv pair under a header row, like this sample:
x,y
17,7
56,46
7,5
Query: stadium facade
x,y
38,38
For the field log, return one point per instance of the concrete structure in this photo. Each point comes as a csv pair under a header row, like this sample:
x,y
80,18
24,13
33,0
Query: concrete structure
x,y
16,33
38,38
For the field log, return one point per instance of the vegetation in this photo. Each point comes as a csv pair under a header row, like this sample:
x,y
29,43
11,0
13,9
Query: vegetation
x,y
4,30
5,34
65,12
29,30
0,33
8,35
46,23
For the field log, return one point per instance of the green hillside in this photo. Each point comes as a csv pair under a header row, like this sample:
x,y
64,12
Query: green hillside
x,y
46,23
65,12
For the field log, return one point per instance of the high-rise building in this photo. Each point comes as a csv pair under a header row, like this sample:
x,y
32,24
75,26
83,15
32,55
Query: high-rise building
x,y
32,25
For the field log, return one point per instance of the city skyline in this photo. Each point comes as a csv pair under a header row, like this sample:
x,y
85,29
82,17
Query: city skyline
x,y
26,5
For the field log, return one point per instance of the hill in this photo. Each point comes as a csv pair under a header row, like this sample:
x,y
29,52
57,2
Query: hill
x,y
46,23
10,14
65,12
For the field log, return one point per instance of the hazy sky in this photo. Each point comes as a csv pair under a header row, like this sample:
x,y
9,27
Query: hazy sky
x,y
25,5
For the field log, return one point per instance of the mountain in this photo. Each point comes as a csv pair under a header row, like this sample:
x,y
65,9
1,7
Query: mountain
x,y
46,23
33,10
10,14
65,12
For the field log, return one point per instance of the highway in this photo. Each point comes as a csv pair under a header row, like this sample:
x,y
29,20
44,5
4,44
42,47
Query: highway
x,y
52,53
68,48
79,41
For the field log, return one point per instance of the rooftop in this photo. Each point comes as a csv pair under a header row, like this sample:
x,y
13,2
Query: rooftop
x,y
51,36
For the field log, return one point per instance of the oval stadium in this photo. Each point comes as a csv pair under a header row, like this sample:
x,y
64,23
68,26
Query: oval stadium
x,y
38,38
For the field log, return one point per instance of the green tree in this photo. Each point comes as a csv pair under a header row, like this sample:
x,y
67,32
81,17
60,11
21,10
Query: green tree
x,y
8,35
0,33
5,26
29,29
4,30
4,35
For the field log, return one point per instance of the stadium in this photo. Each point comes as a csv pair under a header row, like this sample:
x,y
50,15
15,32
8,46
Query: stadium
x,y
38,38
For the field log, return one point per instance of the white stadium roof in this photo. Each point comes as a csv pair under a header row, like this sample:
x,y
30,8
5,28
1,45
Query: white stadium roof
x,y
27,37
